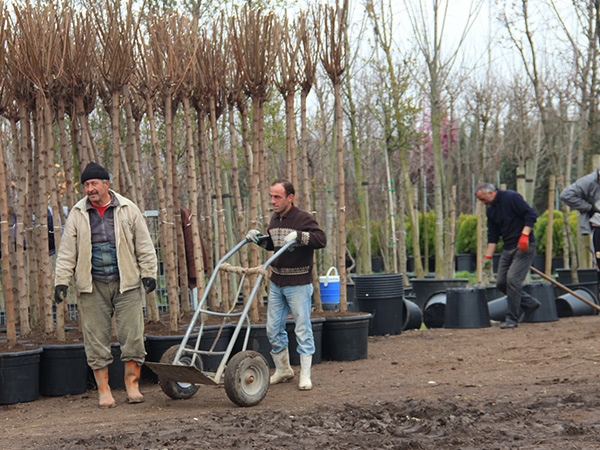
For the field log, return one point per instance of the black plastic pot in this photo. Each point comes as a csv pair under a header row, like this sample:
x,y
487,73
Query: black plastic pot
x,y
465,262
434,314
382,295
413,317
424,288
382,285
544,293
498,308
588,279
567,305
584,275
466,308
20,376
492,292
346,338
63,370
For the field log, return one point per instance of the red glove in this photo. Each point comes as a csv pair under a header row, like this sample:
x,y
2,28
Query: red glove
x,y
523,243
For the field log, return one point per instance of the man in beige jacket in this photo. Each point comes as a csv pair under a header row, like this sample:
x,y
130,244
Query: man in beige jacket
x,y
106,245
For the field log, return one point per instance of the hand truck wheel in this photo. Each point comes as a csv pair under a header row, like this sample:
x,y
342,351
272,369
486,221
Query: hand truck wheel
x,y
175,389
247,378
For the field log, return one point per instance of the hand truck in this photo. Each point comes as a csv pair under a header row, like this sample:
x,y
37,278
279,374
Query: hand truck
x,y
246,374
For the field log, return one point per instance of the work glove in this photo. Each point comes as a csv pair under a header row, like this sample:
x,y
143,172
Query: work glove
x,y
60,293
487,267
523,243
292,237
252,236
149,284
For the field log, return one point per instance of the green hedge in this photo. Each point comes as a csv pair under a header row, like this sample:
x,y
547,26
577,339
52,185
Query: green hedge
x,y
541,225
466,236
430,222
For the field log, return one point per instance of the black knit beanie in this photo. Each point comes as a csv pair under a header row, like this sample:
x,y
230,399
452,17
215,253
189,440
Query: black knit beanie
x,y
94,171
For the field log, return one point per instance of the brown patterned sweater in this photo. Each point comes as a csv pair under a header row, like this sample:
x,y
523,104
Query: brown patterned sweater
x,y
294,268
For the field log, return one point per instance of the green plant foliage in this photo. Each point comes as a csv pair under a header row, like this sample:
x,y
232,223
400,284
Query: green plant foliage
x,y
430,222
466,237
541,226
353,233
472,277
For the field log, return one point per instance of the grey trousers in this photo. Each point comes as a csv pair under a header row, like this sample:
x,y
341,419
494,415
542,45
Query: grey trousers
x,y
97,309
513,267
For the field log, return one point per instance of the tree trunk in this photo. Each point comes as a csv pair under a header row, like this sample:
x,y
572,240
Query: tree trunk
x,y
290,139
66,158
246,144
208,208
193,196
116,140
341,257
21,216
170,246
220,213
306,202
7,282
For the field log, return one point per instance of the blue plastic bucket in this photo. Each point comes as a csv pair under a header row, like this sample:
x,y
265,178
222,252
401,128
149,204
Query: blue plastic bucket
x,y
329,286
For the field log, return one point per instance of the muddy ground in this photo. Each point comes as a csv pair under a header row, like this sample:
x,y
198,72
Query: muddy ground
x,y
534,387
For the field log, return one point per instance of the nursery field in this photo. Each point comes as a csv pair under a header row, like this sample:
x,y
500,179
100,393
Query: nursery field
x,y
533,387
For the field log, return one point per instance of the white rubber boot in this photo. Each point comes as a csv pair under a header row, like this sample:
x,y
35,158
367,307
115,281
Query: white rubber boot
x,y
283,370
305,363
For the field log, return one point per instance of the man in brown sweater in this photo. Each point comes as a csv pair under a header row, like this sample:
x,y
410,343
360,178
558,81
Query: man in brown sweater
x,y
291,281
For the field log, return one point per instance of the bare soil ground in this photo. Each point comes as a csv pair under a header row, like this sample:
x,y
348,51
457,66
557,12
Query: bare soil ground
x,y
533,387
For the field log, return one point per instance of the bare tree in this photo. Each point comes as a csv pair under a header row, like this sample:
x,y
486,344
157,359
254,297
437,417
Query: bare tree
x,y
40,29
307,30
79,68
255,35
430,40
7,282
287,81
159,66
189,44
212,64
521,35
333,58
117,32
236,99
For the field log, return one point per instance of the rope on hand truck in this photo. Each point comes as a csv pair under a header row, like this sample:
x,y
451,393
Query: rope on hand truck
x,y
243,270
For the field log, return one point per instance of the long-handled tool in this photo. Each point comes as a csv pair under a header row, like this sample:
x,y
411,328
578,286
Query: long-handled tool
x,y
564,288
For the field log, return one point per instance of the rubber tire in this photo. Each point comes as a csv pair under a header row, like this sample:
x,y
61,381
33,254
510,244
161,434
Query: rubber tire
x,y
240,367
174,389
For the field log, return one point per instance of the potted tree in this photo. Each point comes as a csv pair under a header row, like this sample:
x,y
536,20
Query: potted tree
x,y
466,243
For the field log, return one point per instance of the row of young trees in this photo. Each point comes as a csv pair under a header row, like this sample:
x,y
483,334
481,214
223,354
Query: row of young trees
x,y
201,108
174,92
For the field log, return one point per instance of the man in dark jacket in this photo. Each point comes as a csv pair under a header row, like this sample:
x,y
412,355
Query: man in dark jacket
x,y
291,281
509,216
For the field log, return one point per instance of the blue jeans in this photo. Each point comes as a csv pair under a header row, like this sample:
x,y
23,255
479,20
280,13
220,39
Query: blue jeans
x,y
513,267
282,301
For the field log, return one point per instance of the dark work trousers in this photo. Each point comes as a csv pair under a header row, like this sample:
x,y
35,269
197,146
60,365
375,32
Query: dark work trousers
x,y
513,267
596,245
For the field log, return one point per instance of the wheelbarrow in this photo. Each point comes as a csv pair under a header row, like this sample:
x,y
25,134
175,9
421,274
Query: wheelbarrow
x,y
246,374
